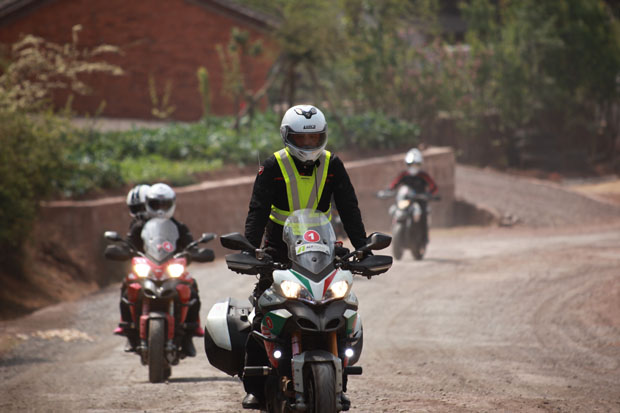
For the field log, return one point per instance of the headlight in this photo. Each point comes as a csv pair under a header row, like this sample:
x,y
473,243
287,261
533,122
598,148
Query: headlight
x,y
337,290
176,270
290,289
403,204
142,269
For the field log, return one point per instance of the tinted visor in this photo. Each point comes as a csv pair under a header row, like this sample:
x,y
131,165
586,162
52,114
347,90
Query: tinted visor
x,y
160,204
307,140
136,208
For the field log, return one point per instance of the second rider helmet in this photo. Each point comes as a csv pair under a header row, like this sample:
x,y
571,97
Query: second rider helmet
x,y
160,201
136,199
304,132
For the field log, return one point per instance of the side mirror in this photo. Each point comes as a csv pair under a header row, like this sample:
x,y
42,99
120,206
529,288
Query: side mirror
x,y
117,253
206,237
236,241
202,255
112,236
378,241
385,194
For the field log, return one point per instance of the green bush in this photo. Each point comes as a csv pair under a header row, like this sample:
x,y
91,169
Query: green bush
x,y
174,153
33,165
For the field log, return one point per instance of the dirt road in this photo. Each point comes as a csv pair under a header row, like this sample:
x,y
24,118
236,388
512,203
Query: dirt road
x,y
521,319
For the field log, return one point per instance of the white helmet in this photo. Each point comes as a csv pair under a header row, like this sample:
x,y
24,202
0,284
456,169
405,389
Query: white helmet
x,y
304,132
136,199
160,201
414,160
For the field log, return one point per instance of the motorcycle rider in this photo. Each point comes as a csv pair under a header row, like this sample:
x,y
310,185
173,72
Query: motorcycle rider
x,y
136,202
301,175
160,202
421,182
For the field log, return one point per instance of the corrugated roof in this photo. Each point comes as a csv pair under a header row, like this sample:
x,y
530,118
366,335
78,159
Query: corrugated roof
x,y
227,7
8,7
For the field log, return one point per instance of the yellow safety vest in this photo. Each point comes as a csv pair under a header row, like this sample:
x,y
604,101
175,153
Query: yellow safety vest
x,y
302,191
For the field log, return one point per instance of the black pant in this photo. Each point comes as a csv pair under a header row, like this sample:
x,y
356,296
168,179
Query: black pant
x,y
254,352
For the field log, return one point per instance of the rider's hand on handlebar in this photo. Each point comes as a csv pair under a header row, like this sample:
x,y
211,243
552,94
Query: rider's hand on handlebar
x,y
340,250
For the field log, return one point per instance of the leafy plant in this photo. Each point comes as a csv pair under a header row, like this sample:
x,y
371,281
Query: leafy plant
x,y
162,109
205,91
35,160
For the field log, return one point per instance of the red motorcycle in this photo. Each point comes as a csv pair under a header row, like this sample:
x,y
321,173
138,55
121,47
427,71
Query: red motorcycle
x,y
159,292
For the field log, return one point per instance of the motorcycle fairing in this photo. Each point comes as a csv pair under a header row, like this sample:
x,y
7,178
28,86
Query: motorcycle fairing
x,y
316,289
273,322
271,326
160,236
405,205
157,271
354,335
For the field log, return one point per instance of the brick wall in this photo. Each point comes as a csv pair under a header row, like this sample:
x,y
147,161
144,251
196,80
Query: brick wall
x,y
221,207
166,39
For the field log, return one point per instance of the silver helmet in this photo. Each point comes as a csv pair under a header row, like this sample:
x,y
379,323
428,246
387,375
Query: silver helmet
x,y
160,201
414,160
304,132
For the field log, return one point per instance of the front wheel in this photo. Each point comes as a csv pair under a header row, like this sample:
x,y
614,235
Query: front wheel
x,y
418,247
156,357
398,240
320,385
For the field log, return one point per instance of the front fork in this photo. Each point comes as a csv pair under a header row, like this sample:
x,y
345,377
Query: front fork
x,y
299,361
170,348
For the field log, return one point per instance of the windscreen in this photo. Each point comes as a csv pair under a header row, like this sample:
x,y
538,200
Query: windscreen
x,y
160,237
405,192
310,239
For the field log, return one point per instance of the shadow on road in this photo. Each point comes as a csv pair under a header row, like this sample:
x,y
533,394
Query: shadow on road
x,y
20,361
201,379
444,260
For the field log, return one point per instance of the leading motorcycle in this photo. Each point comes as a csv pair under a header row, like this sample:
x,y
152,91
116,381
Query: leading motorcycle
x,y
159,292
310,330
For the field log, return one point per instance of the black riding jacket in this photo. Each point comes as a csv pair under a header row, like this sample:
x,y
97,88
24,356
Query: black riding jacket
x,y
270,188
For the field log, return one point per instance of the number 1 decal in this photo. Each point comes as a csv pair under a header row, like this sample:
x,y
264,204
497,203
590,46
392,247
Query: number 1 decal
x,y
312,236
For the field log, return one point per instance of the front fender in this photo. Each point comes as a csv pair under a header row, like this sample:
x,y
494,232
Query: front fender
x,y
316,356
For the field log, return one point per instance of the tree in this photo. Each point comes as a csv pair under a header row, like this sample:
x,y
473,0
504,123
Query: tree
x,y
33,159
550,72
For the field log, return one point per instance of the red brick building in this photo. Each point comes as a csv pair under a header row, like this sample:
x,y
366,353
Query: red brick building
x,y
166,40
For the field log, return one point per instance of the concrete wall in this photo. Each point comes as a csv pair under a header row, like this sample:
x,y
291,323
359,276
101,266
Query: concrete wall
x,y
77,227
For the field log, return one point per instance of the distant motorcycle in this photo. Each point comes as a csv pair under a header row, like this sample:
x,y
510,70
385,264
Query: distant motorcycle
x,y
311,331
408,231
159,292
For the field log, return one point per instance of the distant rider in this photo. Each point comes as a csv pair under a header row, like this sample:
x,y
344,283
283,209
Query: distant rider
x,y
301,175
421,182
